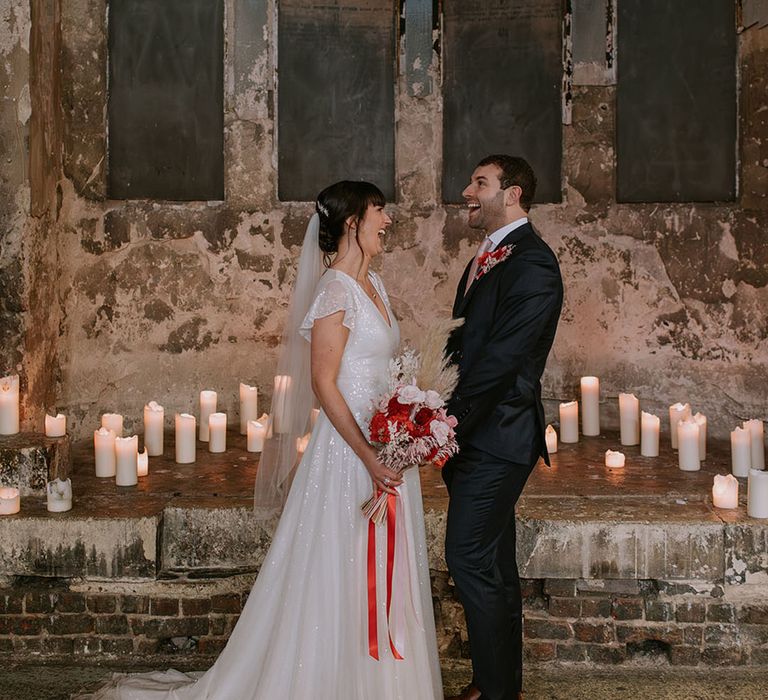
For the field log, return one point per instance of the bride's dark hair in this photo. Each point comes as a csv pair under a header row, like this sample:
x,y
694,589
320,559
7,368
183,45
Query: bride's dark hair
x,y
336,203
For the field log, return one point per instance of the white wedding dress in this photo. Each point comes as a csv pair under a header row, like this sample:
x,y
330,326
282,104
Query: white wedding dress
x,y
303,633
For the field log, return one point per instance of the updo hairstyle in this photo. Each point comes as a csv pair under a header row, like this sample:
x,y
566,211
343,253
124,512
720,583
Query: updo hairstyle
x,y
336,203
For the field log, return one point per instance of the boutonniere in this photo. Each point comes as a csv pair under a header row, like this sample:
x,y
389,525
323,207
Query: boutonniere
x,y
487,261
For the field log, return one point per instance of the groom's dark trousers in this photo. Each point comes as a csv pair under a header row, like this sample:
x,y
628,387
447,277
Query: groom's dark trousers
x,y
511,316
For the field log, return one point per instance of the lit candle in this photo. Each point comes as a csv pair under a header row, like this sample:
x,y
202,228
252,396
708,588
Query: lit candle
x,y
126,460
741,452
104,448
59,496
757,494
142,463
590,406
649,434
550,436
629,419
257,431
249,406
569,421
688,445
725,491
701,421
302,442
208,401
9,405
282,387
217,431
614,459
757,442
10,500
677,412
55,426
185,425
314,416
113,422
154,418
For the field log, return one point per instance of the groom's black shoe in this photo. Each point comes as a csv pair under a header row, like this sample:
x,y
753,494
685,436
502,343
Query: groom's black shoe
x,y
469,693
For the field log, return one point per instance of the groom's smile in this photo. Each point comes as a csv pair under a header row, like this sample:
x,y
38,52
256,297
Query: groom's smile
x,y
485,198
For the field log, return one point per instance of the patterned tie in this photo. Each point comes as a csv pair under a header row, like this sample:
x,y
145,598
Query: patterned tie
x,y
482,248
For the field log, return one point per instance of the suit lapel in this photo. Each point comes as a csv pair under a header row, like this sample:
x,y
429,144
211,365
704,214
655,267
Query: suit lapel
x,y
511,239
460,289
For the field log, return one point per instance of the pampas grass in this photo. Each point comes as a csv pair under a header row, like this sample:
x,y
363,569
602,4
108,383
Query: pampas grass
x,y
435,371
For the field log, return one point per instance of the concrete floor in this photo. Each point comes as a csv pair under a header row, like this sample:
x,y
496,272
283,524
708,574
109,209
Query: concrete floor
x,y
36,682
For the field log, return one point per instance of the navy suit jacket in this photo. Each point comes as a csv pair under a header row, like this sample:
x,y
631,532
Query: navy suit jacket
x,y
511,316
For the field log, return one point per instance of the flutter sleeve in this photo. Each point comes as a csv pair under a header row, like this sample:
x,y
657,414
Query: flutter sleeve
x,y
332,296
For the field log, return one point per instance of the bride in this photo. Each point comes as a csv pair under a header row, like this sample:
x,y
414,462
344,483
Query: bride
x,y
321,622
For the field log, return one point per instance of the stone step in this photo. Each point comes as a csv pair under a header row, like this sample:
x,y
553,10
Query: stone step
x,y
28,461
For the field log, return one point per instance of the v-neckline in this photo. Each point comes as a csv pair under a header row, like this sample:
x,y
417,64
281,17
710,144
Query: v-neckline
x,y
386,319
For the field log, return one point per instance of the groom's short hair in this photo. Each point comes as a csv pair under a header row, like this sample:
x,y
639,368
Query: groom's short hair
x,y
514,171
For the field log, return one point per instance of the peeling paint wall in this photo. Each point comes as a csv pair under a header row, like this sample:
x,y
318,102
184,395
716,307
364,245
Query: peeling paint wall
x,y
161,300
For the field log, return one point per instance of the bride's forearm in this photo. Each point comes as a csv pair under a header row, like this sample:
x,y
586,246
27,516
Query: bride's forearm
x,y
337,410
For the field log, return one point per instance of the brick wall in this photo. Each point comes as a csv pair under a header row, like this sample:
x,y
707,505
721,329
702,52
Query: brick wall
x,y
598,621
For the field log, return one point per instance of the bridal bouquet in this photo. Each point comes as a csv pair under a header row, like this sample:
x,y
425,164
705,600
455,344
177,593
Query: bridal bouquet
x,y
410,425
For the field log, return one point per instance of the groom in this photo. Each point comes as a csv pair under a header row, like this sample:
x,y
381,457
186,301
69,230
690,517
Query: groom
x,y
510,296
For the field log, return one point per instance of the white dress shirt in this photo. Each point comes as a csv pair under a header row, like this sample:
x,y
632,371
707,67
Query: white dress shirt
x,y
500,234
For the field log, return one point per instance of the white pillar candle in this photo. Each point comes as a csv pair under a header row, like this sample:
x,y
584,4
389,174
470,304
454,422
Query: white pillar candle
x,y
55,426
208,400
688,445
302,442
757,442
126,460
757,493
677,412
649,434
590,406
185,425
9,405
282,387
249,406
59,496
142,463
154,419
741,452
725,491
113,422
104,449
569,421
701,421
10,500
217,431
257,431
614,459
550,436
629,419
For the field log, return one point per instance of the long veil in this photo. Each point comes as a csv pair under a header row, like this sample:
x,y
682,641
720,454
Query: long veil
x,y
290,416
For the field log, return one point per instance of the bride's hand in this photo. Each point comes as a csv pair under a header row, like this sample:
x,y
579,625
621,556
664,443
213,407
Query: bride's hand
x,y
384,479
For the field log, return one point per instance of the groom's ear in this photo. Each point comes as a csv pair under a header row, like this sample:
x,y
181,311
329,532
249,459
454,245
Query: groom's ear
x,y
512,195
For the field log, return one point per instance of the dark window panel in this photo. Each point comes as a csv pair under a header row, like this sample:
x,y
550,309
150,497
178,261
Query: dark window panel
x,y
166,109
676,101
503,76
336,95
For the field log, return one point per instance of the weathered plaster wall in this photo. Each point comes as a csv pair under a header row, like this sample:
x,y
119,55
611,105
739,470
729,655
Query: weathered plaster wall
x,y
160,300
30,143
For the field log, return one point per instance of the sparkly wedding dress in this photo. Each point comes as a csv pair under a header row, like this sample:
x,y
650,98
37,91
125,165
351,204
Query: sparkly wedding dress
x,y
304,631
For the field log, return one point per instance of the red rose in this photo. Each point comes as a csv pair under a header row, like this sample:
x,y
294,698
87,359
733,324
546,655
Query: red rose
x,y
424,416
379,428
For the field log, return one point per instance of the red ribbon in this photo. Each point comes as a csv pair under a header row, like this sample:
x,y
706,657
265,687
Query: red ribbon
x,y
373,629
